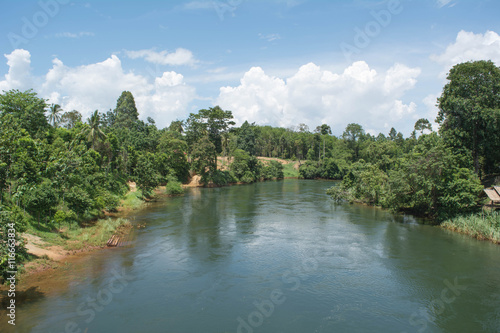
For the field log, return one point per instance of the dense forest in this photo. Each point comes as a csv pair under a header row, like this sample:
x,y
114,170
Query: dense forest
x,y
59,169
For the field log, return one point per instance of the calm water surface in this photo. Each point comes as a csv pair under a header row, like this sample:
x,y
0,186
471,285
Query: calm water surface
x,y
276,257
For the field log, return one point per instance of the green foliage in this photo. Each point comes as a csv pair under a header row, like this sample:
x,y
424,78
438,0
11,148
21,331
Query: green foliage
x,y
70,119
204,156
246,138
78,200
146,176
327,169
274,170
469,113
41,200
482,226
430,181
212,122
125,113
245,167
54,116
27,108
174,187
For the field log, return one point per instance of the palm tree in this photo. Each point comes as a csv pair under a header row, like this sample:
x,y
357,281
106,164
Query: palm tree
x,y
93,131
54,114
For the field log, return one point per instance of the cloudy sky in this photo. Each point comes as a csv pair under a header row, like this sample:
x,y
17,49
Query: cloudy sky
x,y
381,64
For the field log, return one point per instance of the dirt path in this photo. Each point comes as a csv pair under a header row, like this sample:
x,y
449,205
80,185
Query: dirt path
x,y
195,182
36,246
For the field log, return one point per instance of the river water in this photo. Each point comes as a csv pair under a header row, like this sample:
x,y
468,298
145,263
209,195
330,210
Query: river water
x,y
275,257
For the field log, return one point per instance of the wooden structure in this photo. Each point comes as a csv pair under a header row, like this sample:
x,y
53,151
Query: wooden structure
x,y
493,194
114,241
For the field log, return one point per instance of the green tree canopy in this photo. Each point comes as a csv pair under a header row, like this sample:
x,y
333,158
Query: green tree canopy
x,y
246,138
469,112
126,112
70,119
26,107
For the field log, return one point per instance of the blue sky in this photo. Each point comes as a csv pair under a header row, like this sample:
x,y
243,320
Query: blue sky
x,y
277,62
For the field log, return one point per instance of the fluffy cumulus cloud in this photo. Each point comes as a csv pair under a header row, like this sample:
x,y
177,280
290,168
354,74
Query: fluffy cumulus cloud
x,y
179,57
314,96
98,86
469,46
19,75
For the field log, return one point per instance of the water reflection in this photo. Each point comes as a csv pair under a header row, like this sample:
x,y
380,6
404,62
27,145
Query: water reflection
x,y
205,259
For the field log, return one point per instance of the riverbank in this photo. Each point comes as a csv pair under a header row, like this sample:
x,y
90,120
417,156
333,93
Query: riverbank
x,y
484,226
49,249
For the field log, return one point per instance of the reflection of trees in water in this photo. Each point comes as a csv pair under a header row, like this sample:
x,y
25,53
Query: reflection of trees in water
x,y
205,223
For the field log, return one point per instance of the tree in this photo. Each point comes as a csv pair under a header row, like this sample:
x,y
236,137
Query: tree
x,y
54,115
423,124
393,134
27,108
146,175
93,131
246,138
324,129
126,112
41,200
176,126
352,134
430,182
213,122
70,119
205,158
469,112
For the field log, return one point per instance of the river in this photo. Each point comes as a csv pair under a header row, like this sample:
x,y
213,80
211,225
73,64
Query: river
x,y
274,257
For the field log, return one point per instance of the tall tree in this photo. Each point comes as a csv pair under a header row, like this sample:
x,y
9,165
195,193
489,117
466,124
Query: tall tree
x,y
126,112
55,114
469,112
324,129
93,131
352,134
69,119
213,122
27,108
246,138
423,124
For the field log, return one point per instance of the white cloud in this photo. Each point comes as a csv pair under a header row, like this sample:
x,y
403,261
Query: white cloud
x,y
75,35
19,75
179,57
270,37
469,46
98,86
314,96
442,3
430,101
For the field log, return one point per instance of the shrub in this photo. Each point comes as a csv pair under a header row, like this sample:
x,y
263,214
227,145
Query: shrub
x,y
174,187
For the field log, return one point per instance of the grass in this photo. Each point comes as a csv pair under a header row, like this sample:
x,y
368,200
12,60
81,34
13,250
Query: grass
x,y
133,200
484,226
72,237
290,171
